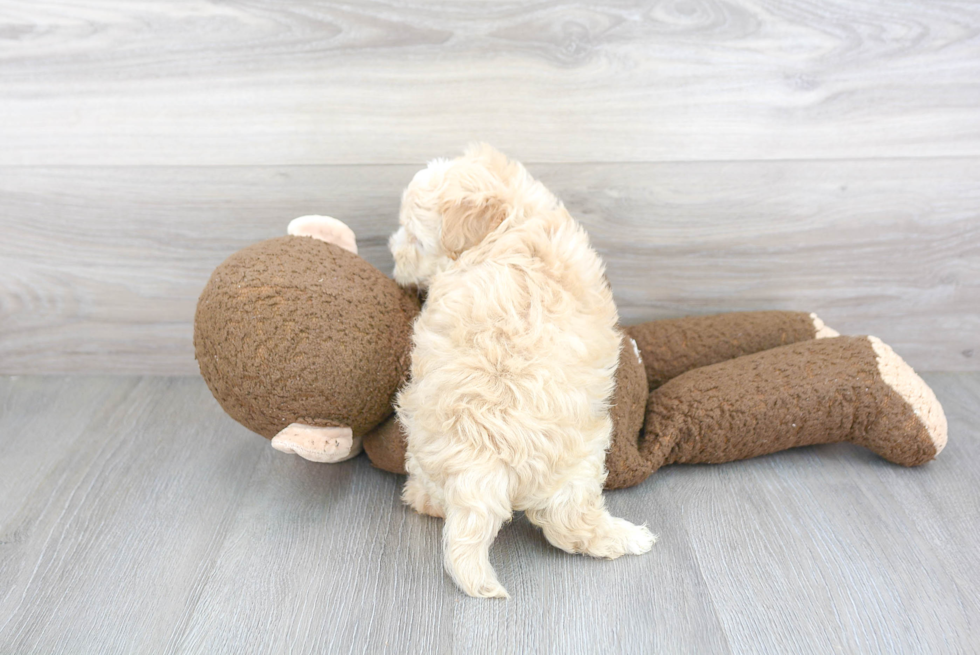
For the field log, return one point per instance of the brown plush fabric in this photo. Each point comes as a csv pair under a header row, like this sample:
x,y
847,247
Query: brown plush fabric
x,y
673,346
814,392
385,446
295,329
624,463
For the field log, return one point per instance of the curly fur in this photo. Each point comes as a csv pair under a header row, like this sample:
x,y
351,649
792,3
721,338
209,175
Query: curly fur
x,y
513,365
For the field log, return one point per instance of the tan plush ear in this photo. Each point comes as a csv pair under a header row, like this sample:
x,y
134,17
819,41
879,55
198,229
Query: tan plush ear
x,y
324,228
466,222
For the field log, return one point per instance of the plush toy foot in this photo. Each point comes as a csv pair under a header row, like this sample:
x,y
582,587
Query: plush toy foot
x,y
821,330
820,391
914,430
329,445
324,228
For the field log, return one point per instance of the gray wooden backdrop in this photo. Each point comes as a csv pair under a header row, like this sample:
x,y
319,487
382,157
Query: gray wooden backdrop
x,y
820,155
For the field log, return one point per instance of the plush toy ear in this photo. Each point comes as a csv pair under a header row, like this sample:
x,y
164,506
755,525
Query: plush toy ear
x,y
466,222
324,228
477,197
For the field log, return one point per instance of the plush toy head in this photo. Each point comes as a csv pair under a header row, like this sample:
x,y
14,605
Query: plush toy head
x,y
298,330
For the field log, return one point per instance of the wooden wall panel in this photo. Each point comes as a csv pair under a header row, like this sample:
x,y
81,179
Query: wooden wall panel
x,y
733,154
271,83
100,268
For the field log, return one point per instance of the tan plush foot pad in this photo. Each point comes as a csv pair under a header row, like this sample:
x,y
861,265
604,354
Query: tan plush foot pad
x,y
819,391
903,380
820,330
674,346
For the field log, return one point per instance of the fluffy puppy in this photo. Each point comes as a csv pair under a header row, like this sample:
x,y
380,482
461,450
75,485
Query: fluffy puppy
x,y
513,365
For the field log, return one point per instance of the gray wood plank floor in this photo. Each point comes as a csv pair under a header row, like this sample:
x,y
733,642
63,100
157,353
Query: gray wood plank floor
x,y
136,517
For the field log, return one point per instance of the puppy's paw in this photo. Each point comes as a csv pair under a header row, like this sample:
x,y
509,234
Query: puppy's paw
x,y
620,537
639,539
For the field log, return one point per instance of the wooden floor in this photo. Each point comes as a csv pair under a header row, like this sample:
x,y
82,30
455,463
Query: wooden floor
x,y
135,517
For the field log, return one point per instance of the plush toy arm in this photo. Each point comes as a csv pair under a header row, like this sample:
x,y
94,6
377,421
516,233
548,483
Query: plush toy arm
x,y
673,346
852,389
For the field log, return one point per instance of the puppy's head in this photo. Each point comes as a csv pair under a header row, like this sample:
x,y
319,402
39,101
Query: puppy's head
x,y
449,207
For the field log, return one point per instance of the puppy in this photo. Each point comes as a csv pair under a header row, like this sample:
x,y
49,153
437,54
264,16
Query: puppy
x,y
513,365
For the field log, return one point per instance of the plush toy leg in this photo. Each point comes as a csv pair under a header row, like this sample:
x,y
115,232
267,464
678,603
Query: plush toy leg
x,y
673,346
329,445
852,389
625,466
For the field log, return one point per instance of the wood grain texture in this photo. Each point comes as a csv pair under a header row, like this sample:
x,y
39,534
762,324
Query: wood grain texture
x,y
113,532
269,83
100,268
136,517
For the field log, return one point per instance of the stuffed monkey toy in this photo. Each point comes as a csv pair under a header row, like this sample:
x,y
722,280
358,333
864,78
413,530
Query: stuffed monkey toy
x,y
305,343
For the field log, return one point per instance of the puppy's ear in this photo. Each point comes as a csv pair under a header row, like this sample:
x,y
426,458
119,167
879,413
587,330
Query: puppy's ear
x,y
476,198
467,221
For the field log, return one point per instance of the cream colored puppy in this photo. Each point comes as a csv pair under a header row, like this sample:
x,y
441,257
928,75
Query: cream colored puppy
x,y
513,365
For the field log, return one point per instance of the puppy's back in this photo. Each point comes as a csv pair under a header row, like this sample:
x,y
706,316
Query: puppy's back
x,y
515,354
